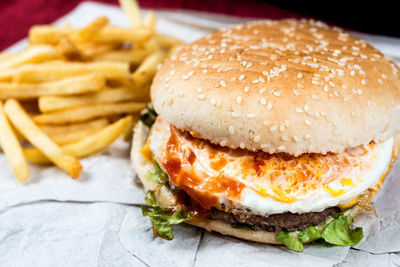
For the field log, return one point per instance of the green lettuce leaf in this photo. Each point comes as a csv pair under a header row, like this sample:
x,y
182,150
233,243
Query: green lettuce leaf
x,y
161,218
337,232
309,234
340,233
290,240
148,117
157,174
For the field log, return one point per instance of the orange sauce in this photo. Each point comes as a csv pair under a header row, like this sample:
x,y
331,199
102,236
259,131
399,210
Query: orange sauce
x,y
178,164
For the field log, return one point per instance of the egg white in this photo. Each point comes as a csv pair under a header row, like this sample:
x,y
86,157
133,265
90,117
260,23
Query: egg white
x,y
312,201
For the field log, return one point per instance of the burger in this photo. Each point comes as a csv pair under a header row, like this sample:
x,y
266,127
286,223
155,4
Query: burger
x,y
278,132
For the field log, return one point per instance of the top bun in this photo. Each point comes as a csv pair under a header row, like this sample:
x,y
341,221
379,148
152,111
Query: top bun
x,y
281,86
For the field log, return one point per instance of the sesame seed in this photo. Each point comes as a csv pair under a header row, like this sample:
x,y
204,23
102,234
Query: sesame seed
x,y
306,108
307,122
299,75
359,91
172,73
199,90
284,138
269,106
242,146
235,115
315,97
205,71
251,115
231,130
263,101
222,83
223,143
281,148
213,101
246,89
257,139
364,82
255,81
239,99
201,97
180,94
273,128
326,88
299,110
295,138
307,136
241,77
276,93
296,92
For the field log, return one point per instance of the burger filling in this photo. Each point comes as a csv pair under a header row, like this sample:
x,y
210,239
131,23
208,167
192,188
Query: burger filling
x,y
272,192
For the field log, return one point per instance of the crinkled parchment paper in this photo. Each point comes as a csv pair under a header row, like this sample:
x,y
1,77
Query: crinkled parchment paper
x,y
96,220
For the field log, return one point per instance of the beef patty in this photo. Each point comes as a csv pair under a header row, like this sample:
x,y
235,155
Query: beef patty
x,y
273,223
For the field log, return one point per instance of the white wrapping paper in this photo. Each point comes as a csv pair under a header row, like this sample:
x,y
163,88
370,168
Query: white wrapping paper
x,y
96,220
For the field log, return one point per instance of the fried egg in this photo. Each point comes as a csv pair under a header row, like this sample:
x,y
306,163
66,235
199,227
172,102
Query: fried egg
x,y
264,183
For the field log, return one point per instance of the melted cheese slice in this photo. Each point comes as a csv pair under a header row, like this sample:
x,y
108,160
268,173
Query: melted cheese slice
x,y
265,183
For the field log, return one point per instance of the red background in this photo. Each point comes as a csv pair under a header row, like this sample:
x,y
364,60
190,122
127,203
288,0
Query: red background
x,y
17,16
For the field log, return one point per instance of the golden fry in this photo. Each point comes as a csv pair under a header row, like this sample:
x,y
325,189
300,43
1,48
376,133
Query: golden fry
x,y
52,130
54,103
68,49
36,137
89,112
146,71
86,146
90,31
62,139
58,70
32,54
43,34
167,41
11,147
135,56
67,86
131,9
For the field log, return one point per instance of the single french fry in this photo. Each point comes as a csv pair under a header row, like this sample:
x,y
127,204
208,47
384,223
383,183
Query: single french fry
x,y
128,133
11,147
68,49
63,139
51,71
53,130
146,71
43,34
54,103
32,54
86,146
132,10
150,21
67,86
134,56
88,112
7,74
91,49
90,31
167,41
40,140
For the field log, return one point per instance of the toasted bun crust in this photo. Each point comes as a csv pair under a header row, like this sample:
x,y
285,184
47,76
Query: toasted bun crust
x,y
281,86
166,198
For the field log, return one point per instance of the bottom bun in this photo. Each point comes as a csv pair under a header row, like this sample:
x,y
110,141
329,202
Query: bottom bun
x,y
166,198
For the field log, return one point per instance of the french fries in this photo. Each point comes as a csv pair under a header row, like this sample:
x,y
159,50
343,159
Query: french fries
x,y
59,70
68,86
11,147
146,71
66,92
90,31
132,10
33,54
88,112
36,137
86,146
53,130
54,103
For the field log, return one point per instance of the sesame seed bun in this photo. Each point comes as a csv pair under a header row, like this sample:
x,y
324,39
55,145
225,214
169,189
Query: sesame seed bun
x,y
281,86
167,199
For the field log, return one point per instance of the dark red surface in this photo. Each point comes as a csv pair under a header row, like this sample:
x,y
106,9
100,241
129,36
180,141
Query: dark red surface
x,y
17,16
